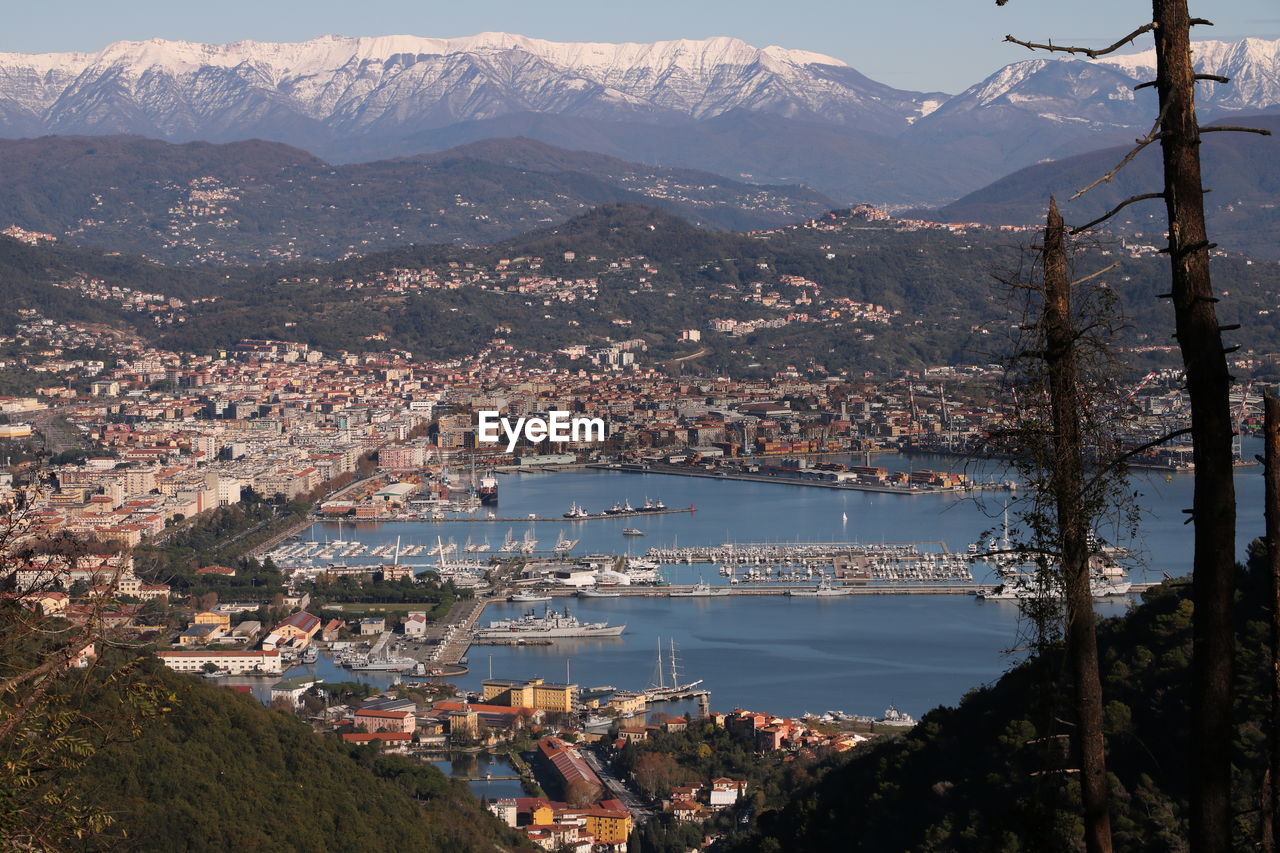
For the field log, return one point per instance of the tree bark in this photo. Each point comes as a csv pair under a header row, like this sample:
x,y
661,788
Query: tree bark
x,y
1271,460
1073,530
1208,388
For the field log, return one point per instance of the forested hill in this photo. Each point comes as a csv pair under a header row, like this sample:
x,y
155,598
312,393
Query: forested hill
x,y
1242,171
993,775
222,773
262,202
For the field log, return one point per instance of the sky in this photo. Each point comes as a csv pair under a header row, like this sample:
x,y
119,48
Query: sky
x,y
922,45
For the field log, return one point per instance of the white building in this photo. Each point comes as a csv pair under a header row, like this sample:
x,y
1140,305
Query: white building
x,y
235,663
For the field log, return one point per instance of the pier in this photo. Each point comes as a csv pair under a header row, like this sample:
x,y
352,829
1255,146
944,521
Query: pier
x,y
753,477
517,519
457,639
773,553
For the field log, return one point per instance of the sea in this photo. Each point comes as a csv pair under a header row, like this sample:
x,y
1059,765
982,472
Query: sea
x,y
787,656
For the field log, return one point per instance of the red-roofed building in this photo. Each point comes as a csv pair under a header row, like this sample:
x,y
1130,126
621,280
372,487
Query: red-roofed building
x,y
386,721
573,776
391,741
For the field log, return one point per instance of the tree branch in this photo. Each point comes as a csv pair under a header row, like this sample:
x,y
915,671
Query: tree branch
x,y
1151,137
1091,276
1092,53
1128,454
1113,211
1235,129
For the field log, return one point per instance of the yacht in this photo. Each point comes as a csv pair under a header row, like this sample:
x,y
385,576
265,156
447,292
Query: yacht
x,y
631,531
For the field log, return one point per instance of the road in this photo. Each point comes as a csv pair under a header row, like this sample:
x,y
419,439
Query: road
x,y
59,436
640,809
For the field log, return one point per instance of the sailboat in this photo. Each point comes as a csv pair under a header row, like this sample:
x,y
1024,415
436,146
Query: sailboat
x,y
661,690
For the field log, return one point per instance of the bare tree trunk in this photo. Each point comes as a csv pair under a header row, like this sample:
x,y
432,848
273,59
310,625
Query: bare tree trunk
x,y
1073,530
1271,459
1208,387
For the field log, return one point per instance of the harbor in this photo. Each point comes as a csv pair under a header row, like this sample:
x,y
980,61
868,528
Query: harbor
x,y
912,644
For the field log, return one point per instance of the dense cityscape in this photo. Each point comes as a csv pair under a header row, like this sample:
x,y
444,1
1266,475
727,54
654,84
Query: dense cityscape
x,y
493,443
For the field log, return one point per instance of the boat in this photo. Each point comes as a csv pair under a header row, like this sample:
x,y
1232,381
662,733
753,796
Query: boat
x,y
551,625
597,592
528,544
701,589
631,531
616,509
382,664
1021,587
575,511
824,589
596,721
894,717
660,690
311,655
565,544
488,490
529,595
509,544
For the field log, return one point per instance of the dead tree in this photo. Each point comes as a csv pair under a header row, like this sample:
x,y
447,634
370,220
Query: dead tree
x,y
1271,462
1067,480
1208,388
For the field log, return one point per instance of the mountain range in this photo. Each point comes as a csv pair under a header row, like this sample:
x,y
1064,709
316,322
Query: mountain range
x,y
769,114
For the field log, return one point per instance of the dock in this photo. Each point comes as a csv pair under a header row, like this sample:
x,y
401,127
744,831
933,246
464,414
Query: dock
x,y
517,519
454,648
752,477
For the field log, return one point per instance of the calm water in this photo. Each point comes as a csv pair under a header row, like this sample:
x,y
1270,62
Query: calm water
x,y
773,653
472,767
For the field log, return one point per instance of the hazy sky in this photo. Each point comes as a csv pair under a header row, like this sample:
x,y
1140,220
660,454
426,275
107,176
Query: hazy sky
x,y
943,45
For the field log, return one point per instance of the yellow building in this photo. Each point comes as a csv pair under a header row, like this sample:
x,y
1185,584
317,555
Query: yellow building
x,y
609,826
531,693
627,704
212,617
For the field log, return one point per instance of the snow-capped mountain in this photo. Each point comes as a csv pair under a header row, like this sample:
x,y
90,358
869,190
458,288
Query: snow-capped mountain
x,y
1055,106
341,87
1253,66
767,114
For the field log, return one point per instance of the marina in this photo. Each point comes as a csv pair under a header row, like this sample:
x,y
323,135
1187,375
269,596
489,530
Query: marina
x,y
911,644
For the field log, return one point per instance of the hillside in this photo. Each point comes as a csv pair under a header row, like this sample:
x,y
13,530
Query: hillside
x,y
255,202
1241,169
632,272
990,773
221,772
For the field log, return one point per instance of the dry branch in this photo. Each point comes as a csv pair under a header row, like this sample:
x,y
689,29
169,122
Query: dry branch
x,y
1113,211
1092,53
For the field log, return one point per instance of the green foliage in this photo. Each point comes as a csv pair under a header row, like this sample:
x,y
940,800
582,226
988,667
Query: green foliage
x,y
990,774
224,773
